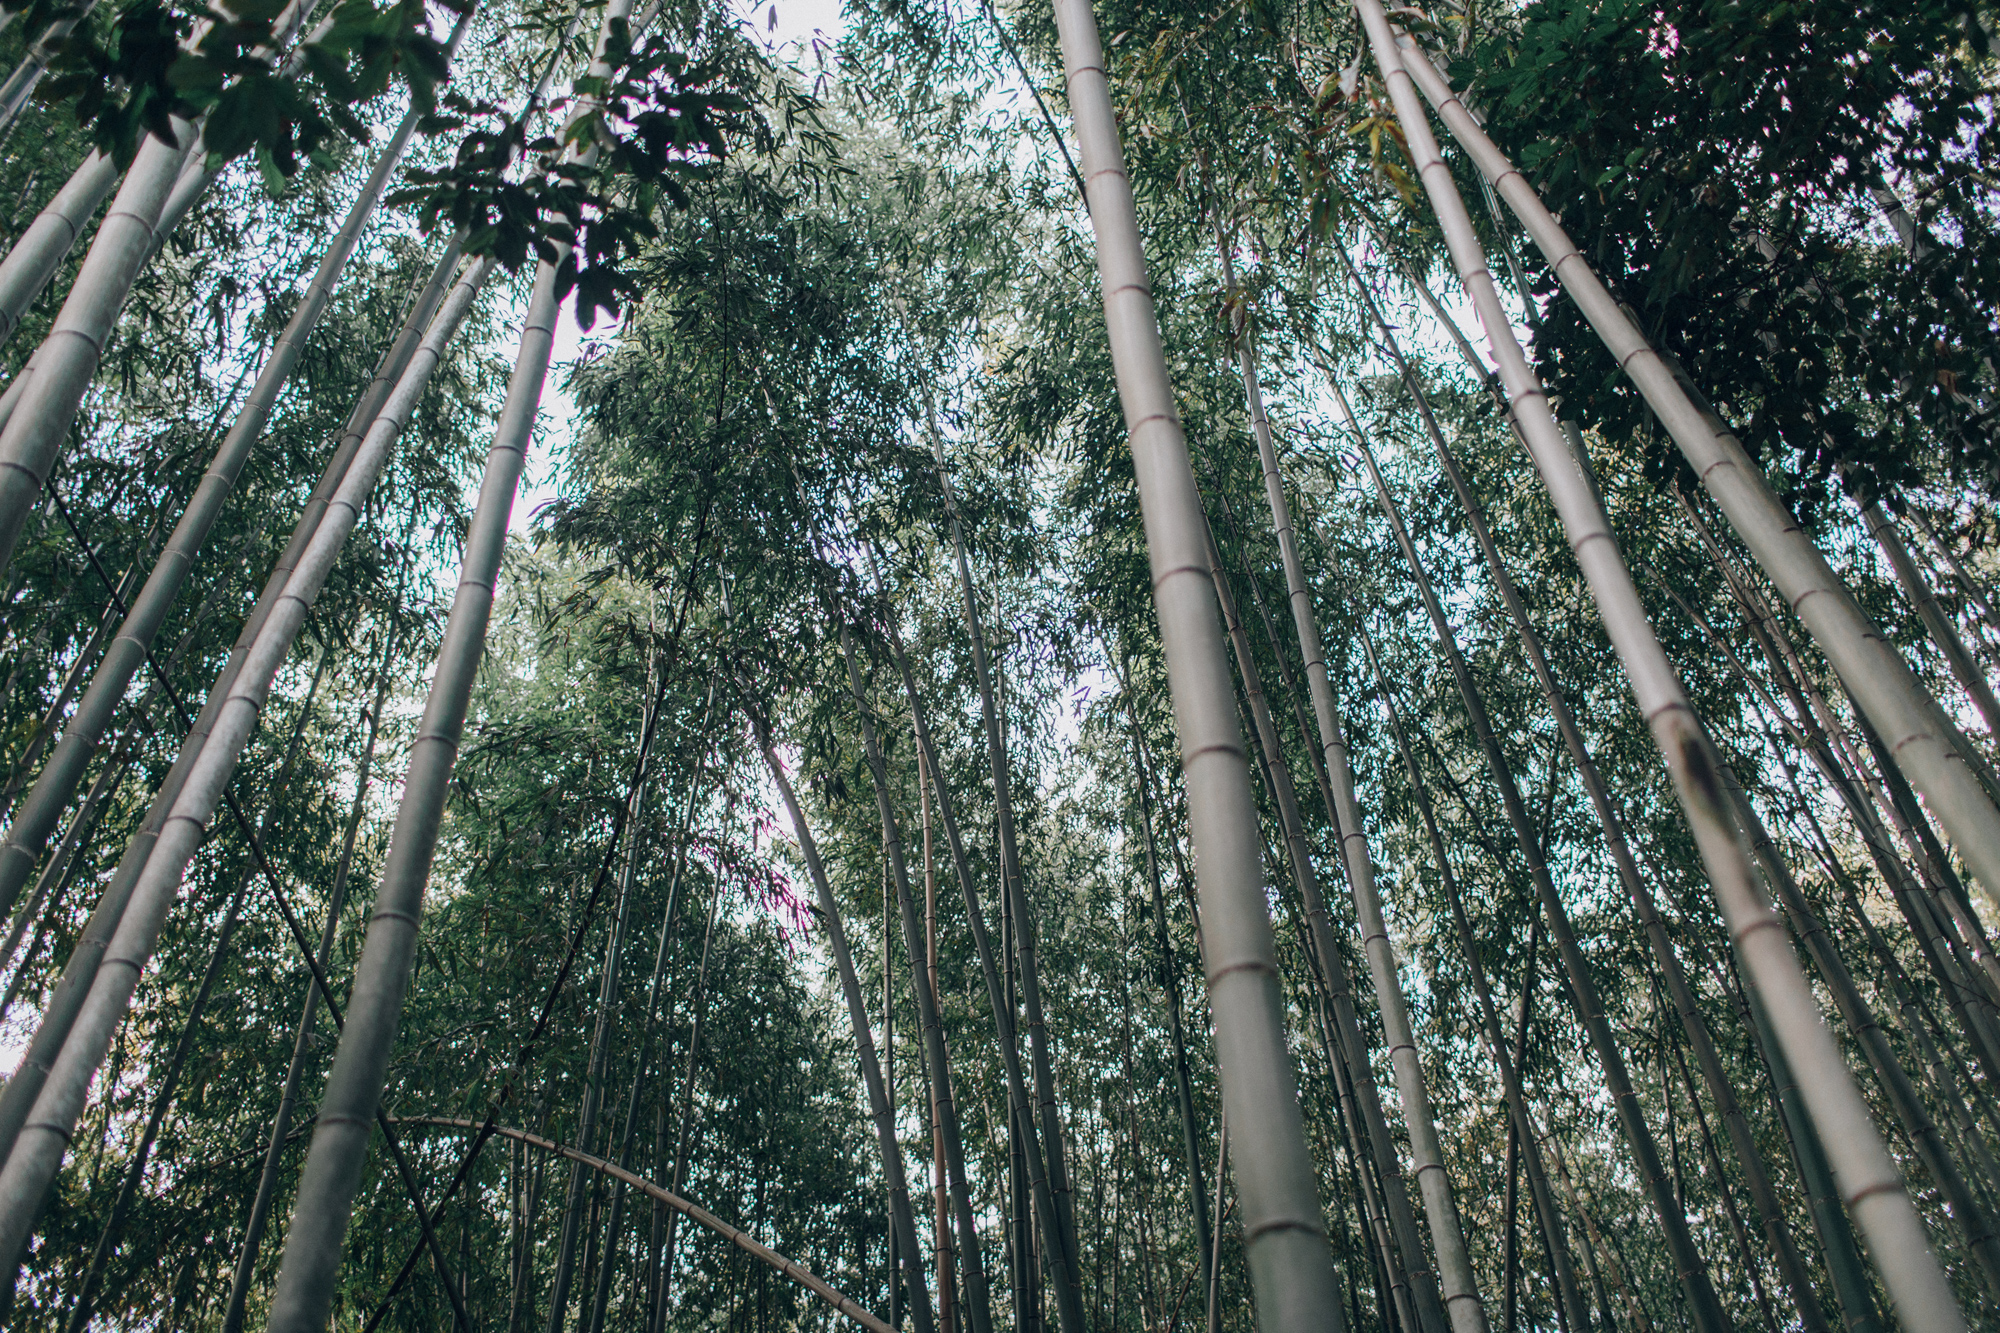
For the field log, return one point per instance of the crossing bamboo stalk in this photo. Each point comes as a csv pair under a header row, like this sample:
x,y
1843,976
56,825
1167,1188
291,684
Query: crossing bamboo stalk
x,y
1869,1180
735,1236
1291,1268
1874,674
167,1083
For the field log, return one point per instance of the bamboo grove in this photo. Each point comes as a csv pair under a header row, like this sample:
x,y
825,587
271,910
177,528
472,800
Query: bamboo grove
x,y
945,666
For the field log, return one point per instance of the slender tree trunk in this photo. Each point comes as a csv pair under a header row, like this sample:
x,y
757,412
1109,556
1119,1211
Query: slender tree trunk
x,y
1291,1268
1169,980
1869,1177
595,1073
628,1133
857,1012
947,1279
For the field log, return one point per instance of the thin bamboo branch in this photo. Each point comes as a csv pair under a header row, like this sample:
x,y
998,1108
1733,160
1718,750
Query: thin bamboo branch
x,y
694,1212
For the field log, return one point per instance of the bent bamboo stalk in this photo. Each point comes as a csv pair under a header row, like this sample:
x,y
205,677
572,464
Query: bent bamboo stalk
x,y
1873,1188
743,1240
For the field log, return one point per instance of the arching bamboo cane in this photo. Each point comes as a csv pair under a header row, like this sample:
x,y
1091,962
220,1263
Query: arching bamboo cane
x,y
857,1013
196,783
741,1239
336,901
1743,1144
1528,1136
30,830
1869,1180
1290,1266
937,1061
1875,675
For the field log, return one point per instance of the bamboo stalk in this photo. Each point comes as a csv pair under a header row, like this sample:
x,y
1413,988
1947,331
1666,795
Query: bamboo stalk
x,y
684,1136
1285,1235
1876,677
36,820
1743,1144
1936,623
1430,1313
1869,1180
607,997
857,1012
15,91
77,1027
1014,897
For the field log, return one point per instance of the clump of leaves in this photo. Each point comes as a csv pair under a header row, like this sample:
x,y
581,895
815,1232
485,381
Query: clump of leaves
x,y
659,121
154,65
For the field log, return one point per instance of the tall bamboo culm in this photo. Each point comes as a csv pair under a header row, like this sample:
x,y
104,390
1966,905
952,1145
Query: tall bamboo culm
x,y
1462,1302
1875,675
1291,1270
58,780
901,1216
1870,1183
